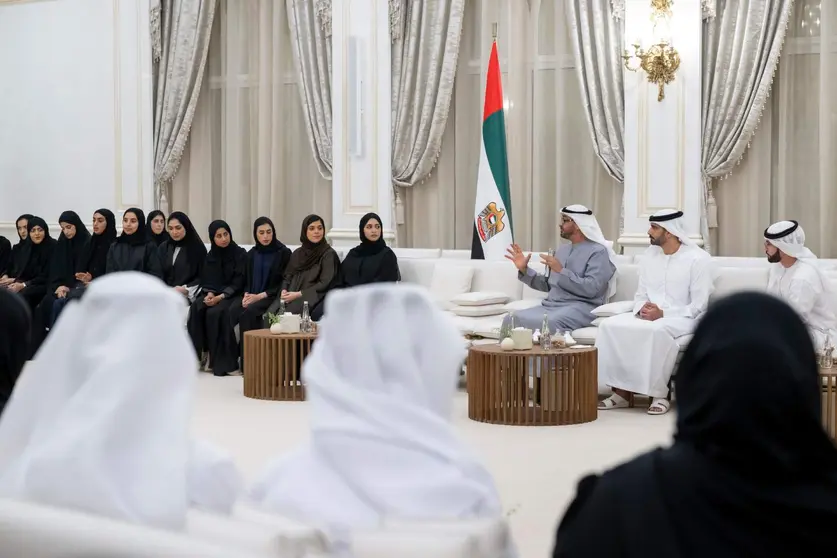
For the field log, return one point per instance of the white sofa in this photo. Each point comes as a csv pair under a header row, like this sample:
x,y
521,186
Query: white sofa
x,y
418,266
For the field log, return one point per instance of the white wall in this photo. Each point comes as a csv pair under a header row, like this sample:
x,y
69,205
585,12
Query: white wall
x,y
75,108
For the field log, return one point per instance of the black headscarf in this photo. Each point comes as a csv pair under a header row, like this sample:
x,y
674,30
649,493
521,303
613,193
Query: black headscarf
x,y
370,262
220,266
20,251
68,257
141,236
40,254
191,241
307,255
157,238
751,472
271,248
15,332
96,257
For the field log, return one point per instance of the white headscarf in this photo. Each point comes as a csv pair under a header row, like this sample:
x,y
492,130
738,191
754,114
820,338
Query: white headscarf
x,y
100,419
589,226
672,221
791,241
380,385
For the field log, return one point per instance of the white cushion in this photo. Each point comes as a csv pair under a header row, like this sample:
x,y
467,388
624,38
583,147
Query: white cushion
x,y
480,298
496,276
613,308
417,271
457,254
731,280
596,322
525,304
413,253
450,280
479,311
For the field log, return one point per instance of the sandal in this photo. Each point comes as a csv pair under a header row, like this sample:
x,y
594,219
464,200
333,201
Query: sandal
x,y
659,406
615,401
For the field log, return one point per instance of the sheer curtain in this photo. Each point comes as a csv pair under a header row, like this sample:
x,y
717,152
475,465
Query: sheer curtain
x,y
790,170
551,158
248,153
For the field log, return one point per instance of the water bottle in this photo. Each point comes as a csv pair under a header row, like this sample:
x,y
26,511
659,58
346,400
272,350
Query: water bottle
x,y
282,308
546,338
306,318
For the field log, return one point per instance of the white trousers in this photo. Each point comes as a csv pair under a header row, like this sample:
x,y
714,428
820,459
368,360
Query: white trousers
x,y
639,355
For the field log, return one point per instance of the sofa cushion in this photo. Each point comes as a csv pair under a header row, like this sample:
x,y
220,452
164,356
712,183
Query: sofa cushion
x,y
417,271
524,304
413,253
480,298
613,308
456,254
478,311
729,280
450,279
626,282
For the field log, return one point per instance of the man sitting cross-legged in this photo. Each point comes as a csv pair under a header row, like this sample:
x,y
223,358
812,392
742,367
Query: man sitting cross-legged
x,y
579,277
637,351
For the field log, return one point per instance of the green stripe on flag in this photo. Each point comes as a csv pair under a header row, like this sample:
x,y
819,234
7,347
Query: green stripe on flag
x,y
494,138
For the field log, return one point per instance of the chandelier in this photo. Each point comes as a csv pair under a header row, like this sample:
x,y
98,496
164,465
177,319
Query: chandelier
x,y
660,60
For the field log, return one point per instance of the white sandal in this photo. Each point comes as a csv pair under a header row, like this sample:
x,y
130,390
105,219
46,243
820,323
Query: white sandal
x,y
657,404
615,401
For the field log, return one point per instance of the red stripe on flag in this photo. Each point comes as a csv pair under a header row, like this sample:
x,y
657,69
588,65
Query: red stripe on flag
x,y
493,85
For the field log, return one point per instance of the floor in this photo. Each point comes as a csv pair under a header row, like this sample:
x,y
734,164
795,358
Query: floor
x,y
535,468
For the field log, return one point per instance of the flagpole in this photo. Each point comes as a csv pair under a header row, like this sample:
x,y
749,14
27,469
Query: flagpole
x,y
494,31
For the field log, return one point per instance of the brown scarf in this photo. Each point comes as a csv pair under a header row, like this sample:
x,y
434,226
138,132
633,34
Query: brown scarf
x,y
306,256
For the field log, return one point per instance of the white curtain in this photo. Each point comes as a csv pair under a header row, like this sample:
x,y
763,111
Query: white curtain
x,y
249,152
551,159
789,172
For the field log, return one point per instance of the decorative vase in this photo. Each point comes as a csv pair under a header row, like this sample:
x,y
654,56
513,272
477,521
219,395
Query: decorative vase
x,y
276,328
507,344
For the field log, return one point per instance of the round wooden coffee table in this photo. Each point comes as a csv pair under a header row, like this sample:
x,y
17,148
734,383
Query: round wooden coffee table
x,y
828,377
273,364
564,385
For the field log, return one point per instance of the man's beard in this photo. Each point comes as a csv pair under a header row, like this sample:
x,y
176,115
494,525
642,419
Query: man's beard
x,y
563,234
776,257
656,241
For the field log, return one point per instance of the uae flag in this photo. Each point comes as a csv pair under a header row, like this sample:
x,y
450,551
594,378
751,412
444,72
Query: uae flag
x,y
492,211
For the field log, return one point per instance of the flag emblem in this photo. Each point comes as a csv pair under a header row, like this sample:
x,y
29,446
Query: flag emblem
x,y
490,221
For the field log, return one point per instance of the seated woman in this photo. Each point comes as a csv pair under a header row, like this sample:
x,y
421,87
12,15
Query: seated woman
x,y
94,259
266,264
133,251
222,280
182,256
155,227
312,271
371,262
100,421
20,251
33,280
380,449
5,255
15,327
67,260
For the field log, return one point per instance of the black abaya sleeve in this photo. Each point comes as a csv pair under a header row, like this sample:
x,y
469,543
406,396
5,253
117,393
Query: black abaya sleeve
x,y
110,266
388,272
236,285
590,525
42,276
153,265
5,255
274,282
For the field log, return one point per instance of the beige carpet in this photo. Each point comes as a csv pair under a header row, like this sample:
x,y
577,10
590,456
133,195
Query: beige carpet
x,y
535,469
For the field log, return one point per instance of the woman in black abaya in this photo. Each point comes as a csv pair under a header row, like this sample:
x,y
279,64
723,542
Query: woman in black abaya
x,y
182,255
133,250
155,227
20,251
266,264
222,280
313,270
751,472
15,329
372,261
33,280
93,260
67,261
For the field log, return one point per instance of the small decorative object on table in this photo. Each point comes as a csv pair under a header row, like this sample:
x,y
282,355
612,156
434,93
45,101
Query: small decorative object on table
x,y
507,344
826,358
546,338
522,338
305,323
274,323
568,339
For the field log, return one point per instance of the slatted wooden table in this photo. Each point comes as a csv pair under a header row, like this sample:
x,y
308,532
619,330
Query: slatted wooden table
x,y
274,363
828,377
565,385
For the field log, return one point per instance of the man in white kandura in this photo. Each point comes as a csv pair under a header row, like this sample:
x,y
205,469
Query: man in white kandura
x,y
580,276
796,278
637,351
